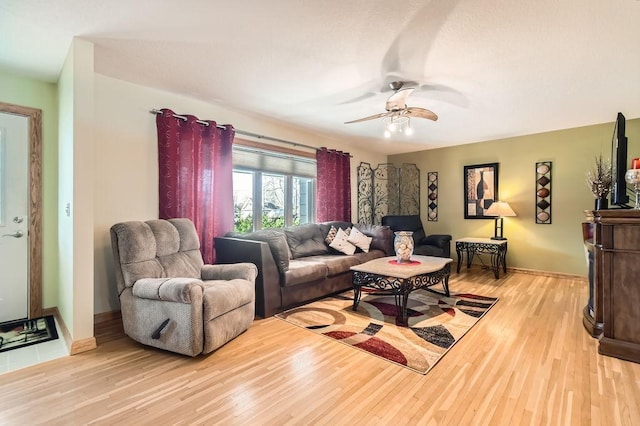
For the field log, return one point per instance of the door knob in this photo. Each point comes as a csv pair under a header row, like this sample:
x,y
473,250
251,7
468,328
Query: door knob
x,y
17,234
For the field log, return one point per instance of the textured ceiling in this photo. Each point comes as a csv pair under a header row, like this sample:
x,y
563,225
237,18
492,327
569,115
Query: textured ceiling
x,y
489,68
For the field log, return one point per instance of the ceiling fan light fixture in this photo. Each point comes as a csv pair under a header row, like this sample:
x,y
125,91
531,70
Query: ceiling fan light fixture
x,y
409,130
397,119
397,124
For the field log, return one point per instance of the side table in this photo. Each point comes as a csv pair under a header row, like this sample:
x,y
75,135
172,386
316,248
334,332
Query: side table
x,y
497,249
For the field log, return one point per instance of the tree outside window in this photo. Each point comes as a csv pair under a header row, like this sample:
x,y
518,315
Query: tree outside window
x,y
278,200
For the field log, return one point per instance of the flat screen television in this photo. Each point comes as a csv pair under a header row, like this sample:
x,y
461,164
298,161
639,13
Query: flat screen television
x,y
619,196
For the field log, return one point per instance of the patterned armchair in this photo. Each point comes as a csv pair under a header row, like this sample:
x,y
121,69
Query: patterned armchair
x,y
169,298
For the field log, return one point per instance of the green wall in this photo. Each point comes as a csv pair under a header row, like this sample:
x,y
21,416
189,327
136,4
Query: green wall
x,y
18,90
555,247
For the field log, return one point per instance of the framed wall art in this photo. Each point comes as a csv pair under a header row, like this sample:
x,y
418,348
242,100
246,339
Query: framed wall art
x,y
432,196
543,192
480,189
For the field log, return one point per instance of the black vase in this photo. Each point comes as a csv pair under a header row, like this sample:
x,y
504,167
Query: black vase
x,y
602,203
482,185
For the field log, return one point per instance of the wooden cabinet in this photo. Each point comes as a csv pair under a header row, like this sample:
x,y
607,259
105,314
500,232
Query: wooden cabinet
x,y
592,312
617,281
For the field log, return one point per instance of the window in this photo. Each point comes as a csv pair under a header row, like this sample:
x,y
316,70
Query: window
x,y
266,200
271,190
2,178
273,201
242,201
303,200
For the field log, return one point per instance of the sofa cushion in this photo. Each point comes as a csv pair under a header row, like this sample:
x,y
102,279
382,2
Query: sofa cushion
x,y
330,235
427,250
305,240
418,237
359,240
326,226
167,289
223,296
336,263
382,239
303,271
411,223
363,257
153,249
341,243
277,244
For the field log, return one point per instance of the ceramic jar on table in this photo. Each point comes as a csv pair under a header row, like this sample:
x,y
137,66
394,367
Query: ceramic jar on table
x,y
403,245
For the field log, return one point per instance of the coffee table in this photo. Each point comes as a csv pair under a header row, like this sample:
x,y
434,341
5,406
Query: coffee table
x,y
400,279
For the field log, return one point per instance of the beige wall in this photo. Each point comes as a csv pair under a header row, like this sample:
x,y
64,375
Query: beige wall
x,y
75,191
556,247
126,169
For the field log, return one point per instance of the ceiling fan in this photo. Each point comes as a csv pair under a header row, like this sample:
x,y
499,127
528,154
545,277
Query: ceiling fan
x,y
398,114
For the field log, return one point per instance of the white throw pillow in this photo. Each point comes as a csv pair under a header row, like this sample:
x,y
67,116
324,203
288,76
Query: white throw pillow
x,y
360,240
341,243
332,234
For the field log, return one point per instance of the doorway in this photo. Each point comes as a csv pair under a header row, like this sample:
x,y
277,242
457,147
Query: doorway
x,y
14,197
34,205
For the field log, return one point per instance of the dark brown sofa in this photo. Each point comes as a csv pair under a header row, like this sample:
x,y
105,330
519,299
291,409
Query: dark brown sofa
x,y
296,265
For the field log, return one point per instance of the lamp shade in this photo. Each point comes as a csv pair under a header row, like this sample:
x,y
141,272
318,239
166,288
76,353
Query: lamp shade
x,y
500,208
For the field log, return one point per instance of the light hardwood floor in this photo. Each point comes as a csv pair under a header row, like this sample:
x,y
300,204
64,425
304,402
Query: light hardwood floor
x,y
528,361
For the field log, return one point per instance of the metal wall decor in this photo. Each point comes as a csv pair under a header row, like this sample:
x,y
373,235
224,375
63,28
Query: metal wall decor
x,y
543,192
432,196
409,189
387,190
365,203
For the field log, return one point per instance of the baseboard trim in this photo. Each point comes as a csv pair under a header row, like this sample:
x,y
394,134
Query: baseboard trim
x,y
106,316
74,346
82,345
530,272
63,327
548,274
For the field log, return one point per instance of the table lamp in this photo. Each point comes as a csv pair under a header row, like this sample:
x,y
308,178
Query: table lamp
x,y
633,177
499,209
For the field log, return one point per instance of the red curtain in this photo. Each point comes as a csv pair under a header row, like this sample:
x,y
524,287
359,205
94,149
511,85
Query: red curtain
x,y
196,175
334,185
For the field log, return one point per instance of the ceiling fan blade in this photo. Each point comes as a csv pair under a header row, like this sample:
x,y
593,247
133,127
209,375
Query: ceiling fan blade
x,y
371,117
398,100
420,113
358,98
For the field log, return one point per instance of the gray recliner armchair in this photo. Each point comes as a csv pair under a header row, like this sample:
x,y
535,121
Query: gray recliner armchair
x,y
169,298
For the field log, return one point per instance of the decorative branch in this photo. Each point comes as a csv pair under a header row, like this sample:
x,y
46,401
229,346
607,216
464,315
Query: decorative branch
x,y
599,180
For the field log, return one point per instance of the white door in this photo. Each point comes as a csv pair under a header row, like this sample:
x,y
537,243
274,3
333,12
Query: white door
x,y
14,222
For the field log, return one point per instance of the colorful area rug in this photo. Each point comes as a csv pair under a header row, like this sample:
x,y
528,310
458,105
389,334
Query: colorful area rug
x,y
436,323
21,333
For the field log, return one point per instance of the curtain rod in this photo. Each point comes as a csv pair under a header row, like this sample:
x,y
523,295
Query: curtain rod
x,y
242,132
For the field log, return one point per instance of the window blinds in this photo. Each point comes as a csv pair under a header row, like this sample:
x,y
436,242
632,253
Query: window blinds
x,y
274,162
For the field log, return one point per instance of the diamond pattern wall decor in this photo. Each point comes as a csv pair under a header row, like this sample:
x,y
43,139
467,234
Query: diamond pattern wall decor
x,y
432,196
543,192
